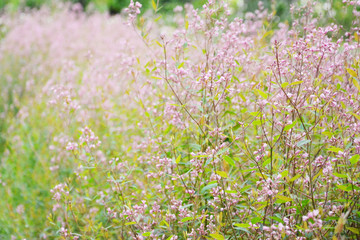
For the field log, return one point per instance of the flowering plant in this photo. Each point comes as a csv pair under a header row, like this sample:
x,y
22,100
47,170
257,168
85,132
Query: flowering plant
x,y
216,128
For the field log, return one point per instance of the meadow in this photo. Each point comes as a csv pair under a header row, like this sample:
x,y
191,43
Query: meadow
x,y
192,125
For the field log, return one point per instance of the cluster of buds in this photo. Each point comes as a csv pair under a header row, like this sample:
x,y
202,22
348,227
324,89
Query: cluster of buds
x,y
58,191
314,220
133,10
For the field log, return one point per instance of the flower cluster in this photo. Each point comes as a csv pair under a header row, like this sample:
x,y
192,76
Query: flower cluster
x,y
224,127
133,10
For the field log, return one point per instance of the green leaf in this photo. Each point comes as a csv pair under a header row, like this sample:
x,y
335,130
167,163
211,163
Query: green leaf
x,y
355,82
355,115
317,175
296,83
245,188
256,122
165,222
217,236
327,133
278,219
248,170
283,199
146,234
339,175
212,185
130,223
344,187
285,173
230,191
351,72
267,34
262,94
354,159
354,230
186,219
243,225
256,220
289,126
305,202
331,218
266,162
178,159
334,149
229,160
186,206
157,42
303,142
284,84
221,174
153,5
158,18
295,177
180,65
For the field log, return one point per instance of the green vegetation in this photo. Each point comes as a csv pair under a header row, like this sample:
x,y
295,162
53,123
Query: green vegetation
x,y
201,123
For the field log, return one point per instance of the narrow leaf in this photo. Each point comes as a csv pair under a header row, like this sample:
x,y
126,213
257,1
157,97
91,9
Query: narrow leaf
x,y
186,219
217,236
207,187
221,174
153,5
284,84
178,159
351,72
130,223
243,225
296,83
356,83
339,175
229,160
285,173
283,198
354,230
344,187
295,177
354,159
355,115
303,142
334,149
266,162
262,94
289,126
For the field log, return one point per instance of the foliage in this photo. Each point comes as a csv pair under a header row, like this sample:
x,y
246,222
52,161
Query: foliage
x,y
112,6
211,127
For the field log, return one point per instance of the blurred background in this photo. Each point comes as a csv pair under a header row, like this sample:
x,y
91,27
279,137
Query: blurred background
x,y
332,10
26,175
